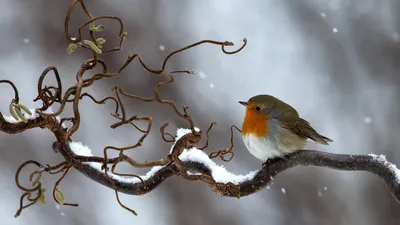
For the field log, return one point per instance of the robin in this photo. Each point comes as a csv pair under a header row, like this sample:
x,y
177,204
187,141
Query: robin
x,y
272,128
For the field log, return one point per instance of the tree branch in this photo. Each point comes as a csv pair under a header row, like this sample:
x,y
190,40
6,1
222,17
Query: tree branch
x,y
256,181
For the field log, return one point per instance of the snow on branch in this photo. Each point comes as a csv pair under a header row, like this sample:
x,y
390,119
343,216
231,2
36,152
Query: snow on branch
x,y
192,155
226,183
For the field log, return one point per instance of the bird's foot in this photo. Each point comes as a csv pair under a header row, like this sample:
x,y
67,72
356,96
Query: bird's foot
x,y
269,161
265,164
285,157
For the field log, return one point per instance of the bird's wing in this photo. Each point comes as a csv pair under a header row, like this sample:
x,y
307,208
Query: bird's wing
x,y
303,128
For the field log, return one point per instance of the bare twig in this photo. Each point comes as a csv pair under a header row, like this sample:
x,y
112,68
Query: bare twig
x,y
222,153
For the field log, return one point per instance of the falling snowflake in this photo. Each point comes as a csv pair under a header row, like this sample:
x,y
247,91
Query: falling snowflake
x,y
319,193
161,47
367,120
202,75
211,85
335,30
323,15
26,40
283,190
325,188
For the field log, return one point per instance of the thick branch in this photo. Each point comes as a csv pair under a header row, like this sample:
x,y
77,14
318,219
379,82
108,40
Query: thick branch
x,y
16,128
260,179
371,163
346,162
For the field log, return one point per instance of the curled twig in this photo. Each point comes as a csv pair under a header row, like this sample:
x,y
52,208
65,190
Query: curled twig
x,y
223,44
49,95
17,174
102,101
28,197
35,182
235,51
207,136
164,134
49,99
16,95
57,193
185,115
78,38
114,185
222,153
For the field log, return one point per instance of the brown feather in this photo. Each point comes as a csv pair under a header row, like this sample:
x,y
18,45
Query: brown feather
x,y
303,128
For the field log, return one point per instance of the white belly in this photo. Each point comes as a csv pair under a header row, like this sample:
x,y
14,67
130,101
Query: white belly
x,y
261,148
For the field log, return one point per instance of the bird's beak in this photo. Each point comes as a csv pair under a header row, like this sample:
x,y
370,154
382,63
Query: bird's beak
x,y
243,103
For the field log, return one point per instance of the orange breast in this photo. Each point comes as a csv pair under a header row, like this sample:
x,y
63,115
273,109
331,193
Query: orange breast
x,y
255,123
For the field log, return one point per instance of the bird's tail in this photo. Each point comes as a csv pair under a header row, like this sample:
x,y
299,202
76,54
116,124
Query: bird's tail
x,y
317,138
312,135
324,140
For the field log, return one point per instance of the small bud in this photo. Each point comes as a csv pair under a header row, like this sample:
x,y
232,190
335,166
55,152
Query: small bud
x,y
93,27
71,48
93,46
123,36
59,195
100,41
42,197
37,179
12,112
20,115
23,107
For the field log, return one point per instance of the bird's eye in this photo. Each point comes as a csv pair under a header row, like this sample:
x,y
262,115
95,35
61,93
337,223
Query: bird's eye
x,y
258,108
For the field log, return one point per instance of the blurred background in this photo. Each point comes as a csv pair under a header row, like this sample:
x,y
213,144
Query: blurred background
x,y
335,61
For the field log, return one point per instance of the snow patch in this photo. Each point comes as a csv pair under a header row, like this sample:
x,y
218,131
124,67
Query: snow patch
x,y
218,172
202,75
82,150
392,167
34,115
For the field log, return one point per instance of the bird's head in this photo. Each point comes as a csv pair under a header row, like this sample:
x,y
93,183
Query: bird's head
x,y
260,104
270,107
258,109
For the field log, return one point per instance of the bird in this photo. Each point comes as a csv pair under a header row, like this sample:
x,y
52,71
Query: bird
x,y
273,129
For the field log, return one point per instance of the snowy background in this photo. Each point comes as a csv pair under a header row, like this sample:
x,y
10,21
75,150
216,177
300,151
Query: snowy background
x,y
335,61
